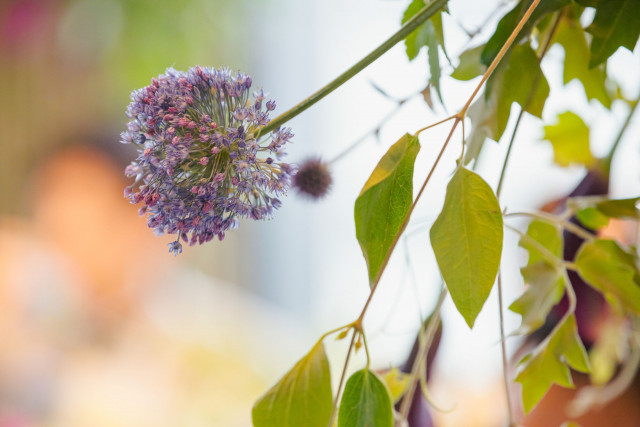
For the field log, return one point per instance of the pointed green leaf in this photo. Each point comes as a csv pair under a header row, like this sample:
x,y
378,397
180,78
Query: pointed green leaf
x,y
576,61
384,202
509,22
616,24
594,212
521,74
429,34
470,66
620,208
548,364
302,397
545,289
570,140
611,270
366,402
467,241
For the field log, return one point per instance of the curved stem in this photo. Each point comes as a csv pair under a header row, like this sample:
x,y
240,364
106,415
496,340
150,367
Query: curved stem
x,y
425,345
408,27
552,219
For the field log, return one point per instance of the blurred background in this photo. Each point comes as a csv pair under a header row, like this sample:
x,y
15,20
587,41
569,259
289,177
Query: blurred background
x,y
100,326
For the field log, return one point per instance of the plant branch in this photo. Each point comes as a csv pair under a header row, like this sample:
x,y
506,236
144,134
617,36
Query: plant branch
x,y
607,160
555,220
418,19
334,412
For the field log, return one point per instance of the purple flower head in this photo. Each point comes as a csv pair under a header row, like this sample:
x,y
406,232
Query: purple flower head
x,y
200,166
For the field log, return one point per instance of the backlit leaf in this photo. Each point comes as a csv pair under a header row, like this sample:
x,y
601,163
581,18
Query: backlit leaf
x,y
384,202
467,241
576,61
484,124
546,235
470,65
397,382
302,397
544,290
550,363
616,24
594,212
366,402
429,34
570,140
608,268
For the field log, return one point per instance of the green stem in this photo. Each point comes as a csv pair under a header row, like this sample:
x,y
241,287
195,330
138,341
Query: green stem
x,y
409,26
607,160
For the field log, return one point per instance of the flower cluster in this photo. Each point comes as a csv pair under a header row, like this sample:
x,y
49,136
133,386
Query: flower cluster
x,y
201,163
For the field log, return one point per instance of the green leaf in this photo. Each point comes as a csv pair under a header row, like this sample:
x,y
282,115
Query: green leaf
x,y
611,270
546,235
545,289
509,22
610,349
521,74
384,202
594,212
616,24
548,364
302,397
429,34
592,218
576,61
467,241
366,402
470,66
570,140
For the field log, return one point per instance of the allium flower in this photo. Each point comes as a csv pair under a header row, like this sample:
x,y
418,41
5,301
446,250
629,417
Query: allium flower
x,y
200,166
313,178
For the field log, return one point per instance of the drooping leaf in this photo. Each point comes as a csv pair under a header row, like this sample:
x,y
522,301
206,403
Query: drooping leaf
x,y
545,289
302,397
384,202
607,267
548,364
467,241
429,34
576,61
616,24
484,124
520,75
570,140
620,208
366,402
509,22
397,382
546,235
470,66
518,78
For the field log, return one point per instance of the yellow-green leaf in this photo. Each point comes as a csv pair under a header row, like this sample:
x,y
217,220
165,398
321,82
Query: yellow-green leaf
x,y
302,397
397,382
467,241
607,267
570,140
548,364
470,66
544,290
576,61
546,235
366,402
384,202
